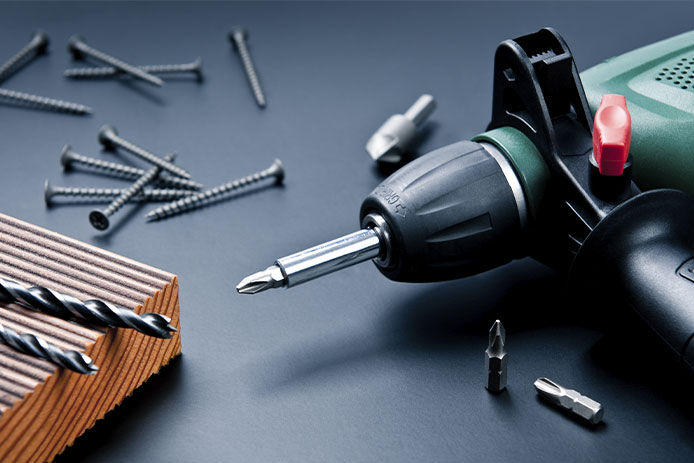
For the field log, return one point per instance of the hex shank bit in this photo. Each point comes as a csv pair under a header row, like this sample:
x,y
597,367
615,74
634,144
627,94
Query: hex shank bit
x,y
33,345
44,102
108,194
38,45
68,158
79,48
570,400
102,313
198,200
496,358
194,67
109,139
99,218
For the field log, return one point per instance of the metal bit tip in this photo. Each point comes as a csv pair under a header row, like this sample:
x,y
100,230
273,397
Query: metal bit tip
x,y
271,277
496,358
570,400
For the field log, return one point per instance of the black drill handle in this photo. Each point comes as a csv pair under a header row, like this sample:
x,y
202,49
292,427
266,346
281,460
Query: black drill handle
x,y
451,213
643,253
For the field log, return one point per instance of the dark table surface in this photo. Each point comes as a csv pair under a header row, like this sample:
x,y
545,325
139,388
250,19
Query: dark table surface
x,y
352,367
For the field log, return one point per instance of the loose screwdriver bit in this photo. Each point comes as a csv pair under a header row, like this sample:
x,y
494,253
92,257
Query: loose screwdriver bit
x,y
571,400
102,313
33,345
79,48
38,45
496,358
203,198
69,158
194,67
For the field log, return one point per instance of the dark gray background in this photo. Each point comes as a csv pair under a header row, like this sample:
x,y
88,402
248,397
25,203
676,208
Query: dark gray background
x,y
352,367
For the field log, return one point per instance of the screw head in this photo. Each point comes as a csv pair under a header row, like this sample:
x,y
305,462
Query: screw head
x,y
73,46
197,68
106,133
98,220
238,34
41,41
277,170
48,193
66,158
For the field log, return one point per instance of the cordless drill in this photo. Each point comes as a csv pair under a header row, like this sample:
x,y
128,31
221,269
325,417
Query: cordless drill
x,y
592,196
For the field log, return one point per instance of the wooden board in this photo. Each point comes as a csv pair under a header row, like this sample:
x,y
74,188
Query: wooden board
x,y
43,409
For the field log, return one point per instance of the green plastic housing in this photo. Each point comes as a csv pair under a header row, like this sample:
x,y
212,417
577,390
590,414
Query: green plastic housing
x,y
658,83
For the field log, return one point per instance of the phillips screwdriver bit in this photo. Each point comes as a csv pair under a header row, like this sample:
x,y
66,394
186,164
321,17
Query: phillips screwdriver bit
x,y
69,158
570,400
102,313
496,358
33,345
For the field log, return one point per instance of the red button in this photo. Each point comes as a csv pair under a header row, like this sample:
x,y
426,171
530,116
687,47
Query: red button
x,y
612,135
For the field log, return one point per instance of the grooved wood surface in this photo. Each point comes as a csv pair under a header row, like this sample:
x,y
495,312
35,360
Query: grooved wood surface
x,y
44,408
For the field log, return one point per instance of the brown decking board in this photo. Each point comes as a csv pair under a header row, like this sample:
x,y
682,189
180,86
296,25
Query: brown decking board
x,y
44,408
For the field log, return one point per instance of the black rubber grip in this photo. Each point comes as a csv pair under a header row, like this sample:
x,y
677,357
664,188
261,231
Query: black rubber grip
x,y
643,253
451,213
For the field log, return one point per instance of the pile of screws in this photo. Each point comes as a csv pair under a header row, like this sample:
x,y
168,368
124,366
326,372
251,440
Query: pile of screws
x,y
37,46
171,182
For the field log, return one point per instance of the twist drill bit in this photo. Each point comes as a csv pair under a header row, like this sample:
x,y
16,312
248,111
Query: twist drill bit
x,y
33,345
68,158
199,200
238,36
79,48
109,139
194,67
570,400
108,194
44,102
496,358
38,45
99,218
102,313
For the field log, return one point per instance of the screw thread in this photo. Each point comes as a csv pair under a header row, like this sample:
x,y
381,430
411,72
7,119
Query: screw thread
x,y
108,71
251,73
147,156
199,200
45,102
116,63
133,190
126,172
36,347
146,195
13,64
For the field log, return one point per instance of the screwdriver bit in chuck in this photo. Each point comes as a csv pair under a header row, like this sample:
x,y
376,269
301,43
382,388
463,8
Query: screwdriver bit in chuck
x,y
570,400
496,358
102,313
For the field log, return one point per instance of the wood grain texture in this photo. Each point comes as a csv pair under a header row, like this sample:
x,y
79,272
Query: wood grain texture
x,y
43,408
